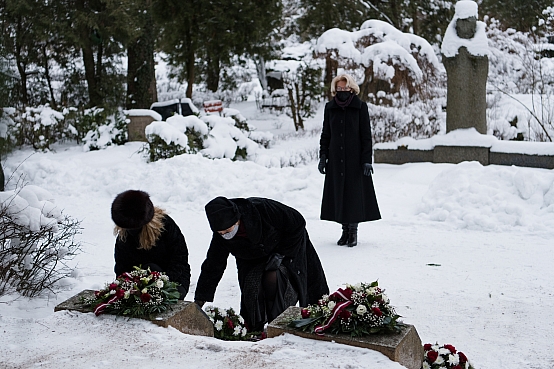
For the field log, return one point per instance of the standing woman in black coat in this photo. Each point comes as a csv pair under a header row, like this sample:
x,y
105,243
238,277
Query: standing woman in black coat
x,y
148,237
345,159
276,262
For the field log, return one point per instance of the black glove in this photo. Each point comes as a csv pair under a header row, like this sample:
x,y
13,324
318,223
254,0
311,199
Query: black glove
x,y
368,169
322,163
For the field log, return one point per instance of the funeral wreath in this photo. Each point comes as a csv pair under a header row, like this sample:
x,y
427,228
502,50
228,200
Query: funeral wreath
x,y
228,325
358,310
438,357
135,294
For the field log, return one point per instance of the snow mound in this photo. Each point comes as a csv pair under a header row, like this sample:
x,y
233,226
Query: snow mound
x,y
491,198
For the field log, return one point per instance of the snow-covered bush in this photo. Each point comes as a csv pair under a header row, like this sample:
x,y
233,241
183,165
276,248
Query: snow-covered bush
x,y
521,85
226,136
40,127
36,242
417,120
112,132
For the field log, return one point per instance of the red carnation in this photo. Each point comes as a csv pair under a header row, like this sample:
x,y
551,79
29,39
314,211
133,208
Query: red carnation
x,y
120,293
113,286
145,297
463,358
451,348
230,324
377,311
456,367
427,346
305,313
432,356
345,314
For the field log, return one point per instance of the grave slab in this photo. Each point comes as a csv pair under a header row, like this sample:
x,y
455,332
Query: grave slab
x,y
404,347
185,316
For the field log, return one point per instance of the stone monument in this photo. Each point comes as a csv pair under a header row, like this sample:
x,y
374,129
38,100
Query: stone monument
x,y
465,51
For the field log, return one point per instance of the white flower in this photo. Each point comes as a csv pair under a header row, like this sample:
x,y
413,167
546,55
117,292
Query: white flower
x,y
159,283
444,351
439,360
223,313
218,325
243,332
116,282
426,365
127,294
165,277
237,331
144,290
241,319
331,305
112,292
357,287
454,359
371,291
361,310
385,298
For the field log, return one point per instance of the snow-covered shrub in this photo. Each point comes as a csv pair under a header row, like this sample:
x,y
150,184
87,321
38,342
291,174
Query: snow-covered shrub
x,y
178,135
36,242
225,140
112,132
417,120
40,127
211,135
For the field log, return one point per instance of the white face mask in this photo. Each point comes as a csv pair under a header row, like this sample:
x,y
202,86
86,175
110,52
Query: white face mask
x,y
232,233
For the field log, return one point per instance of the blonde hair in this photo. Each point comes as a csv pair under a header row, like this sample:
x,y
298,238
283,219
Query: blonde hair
x,y
349,83
149,233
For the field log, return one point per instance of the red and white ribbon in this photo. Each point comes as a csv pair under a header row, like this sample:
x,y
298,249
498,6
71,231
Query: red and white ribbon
x,y
100,307
339,307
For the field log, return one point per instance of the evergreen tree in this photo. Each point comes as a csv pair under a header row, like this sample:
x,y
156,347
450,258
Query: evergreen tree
x,y
141,77
521,15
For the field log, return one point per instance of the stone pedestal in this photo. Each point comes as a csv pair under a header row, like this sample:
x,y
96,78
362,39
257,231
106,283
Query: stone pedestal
x,y
136,127
185,316
404,347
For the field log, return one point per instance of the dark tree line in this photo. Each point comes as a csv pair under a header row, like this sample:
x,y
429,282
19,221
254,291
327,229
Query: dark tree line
x,y
101,52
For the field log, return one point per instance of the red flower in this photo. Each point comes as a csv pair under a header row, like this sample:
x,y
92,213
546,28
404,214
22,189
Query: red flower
x,y
456,367
345,314
432,356
120,293
463,358
377,311
113,286
97,293
451,348
230,324
145,297
305,313
427,346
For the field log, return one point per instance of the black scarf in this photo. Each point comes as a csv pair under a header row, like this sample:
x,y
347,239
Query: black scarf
x,y
344,104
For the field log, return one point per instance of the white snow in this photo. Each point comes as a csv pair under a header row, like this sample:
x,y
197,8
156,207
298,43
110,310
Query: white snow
x,y
143,112
470,137
464,253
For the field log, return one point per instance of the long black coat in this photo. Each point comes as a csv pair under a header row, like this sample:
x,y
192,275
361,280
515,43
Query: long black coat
x,y
271,227
348,195
170,253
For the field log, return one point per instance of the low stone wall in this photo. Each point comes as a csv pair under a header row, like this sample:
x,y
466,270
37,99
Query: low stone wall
x,y
457,154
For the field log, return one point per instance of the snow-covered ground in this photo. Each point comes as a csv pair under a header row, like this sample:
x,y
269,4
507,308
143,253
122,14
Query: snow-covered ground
x,y
463,251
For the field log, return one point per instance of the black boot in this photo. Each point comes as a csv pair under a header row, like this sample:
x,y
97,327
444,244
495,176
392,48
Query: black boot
x,y
352,234
344,238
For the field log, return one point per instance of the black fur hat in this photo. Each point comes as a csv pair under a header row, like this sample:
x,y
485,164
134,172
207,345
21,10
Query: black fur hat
x,y
132,209
222,213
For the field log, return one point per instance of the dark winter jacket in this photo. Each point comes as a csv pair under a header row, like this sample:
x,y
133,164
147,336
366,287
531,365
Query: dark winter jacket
x,y
170,253
271,227
348,195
